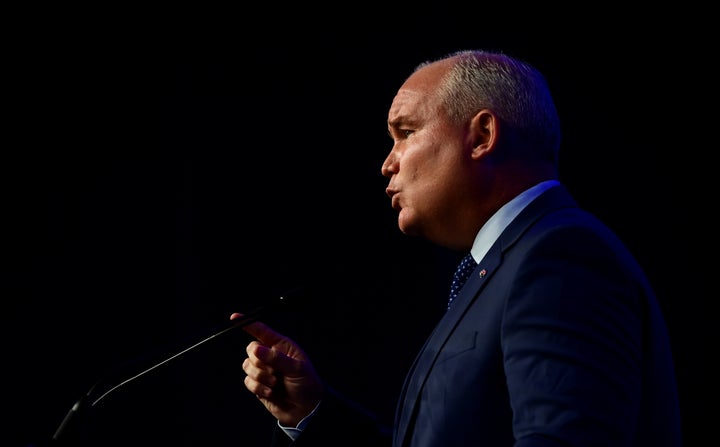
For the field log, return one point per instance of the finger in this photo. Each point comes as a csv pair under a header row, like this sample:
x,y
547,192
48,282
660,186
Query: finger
x,y
259,372
257,388
261,356
261,331
276,360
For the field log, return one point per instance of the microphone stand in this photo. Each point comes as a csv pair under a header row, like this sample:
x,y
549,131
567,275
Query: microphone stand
x,y
69,426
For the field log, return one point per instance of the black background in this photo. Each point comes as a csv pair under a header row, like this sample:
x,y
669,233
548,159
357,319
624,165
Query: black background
x,y
162,172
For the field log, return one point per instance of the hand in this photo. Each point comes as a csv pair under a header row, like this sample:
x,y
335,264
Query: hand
x,y
280,374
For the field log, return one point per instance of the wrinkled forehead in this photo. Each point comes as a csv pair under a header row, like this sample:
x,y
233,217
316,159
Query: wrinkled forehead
x,y
419,93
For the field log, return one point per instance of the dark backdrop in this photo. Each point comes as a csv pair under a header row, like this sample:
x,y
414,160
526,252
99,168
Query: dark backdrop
x,y
158,178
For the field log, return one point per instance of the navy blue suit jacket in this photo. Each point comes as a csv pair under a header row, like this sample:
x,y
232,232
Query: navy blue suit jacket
x,y
555,340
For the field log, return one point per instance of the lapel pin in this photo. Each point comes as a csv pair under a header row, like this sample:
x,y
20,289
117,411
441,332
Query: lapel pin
x,y
482,273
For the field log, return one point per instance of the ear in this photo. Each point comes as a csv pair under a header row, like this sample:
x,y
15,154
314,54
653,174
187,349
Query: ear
x,y
483,133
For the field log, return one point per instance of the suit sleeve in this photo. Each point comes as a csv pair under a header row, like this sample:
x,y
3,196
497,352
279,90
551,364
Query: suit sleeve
x,y
572,342
338,421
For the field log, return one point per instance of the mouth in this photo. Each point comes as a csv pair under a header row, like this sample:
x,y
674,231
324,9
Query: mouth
x,y
395,201
392,193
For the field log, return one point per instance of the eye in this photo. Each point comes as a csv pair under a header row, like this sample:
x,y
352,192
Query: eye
x,y
399,133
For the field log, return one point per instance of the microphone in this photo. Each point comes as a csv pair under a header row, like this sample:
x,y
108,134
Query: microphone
x,y
68,426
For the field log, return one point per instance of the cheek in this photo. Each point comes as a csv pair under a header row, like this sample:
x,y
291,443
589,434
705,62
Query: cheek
x,y
430,163
428,169
427,185
421,162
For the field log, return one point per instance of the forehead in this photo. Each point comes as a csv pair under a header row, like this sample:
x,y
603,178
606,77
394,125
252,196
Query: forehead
x,y
418,95
408,105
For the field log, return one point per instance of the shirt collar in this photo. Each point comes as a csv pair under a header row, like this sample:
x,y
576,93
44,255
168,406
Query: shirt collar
x,y
492,229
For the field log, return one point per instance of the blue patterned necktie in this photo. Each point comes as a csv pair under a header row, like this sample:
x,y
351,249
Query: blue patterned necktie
x,y
467,265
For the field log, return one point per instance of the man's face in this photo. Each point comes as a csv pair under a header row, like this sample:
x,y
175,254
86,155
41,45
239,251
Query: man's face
x,y
426,165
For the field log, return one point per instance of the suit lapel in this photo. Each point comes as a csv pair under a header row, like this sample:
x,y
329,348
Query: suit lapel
x,y
551,200
434,344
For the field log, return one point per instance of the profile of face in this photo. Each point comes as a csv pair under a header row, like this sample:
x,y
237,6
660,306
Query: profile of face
x,y
429,166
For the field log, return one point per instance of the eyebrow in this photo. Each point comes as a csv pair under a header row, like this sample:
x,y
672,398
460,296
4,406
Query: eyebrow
x,y
394,125
400,120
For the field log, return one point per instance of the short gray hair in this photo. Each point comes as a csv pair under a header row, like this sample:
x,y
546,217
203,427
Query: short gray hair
x,y
513,89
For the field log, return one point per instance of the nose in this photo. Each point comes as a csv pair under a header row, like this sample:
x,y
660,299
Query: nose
x,y
389,166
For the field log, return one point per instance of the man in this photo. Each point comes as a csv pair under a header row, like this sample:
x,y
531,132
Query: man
x,y
556,338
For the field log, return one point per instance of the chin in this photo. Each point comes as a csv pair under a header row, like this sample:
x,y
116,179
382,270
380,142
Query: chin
x,y
407,226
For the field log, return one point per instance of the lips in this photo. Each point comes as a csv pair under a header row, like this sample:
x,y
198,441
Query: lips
x,y
391,192
394,200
